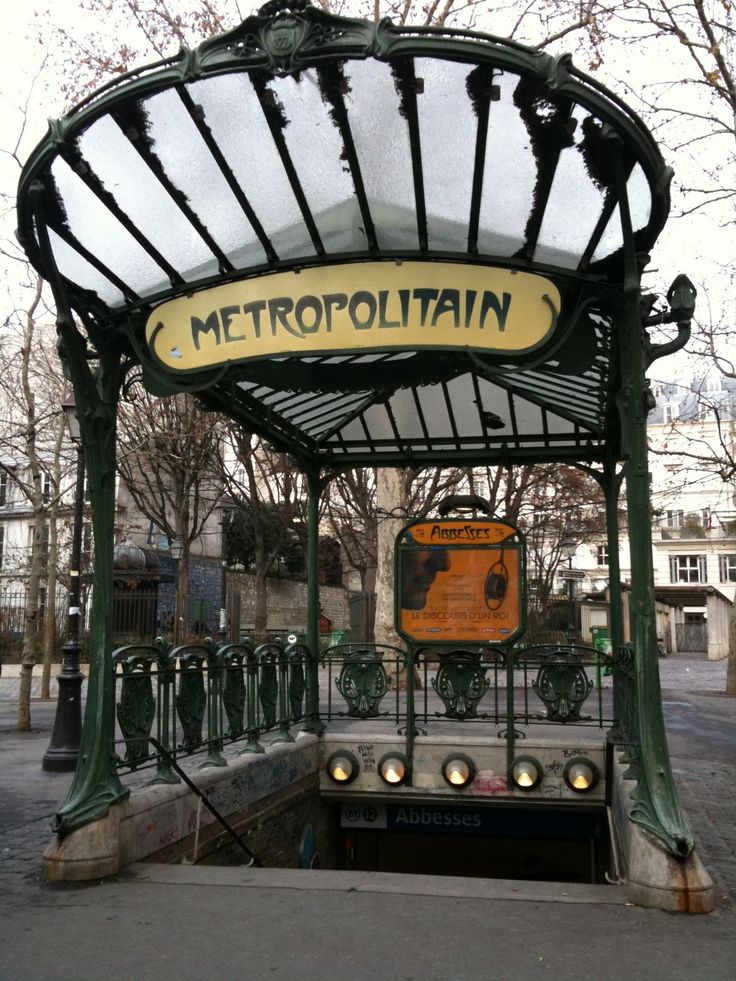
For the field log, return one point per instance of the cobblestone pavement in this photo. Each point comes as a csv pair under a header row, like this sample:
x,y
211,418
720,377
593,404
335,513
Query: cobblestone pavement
x,y
701,724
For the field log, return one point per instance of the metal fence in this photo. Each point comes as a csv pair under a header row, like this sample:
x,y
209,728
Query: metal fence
x,y
198,698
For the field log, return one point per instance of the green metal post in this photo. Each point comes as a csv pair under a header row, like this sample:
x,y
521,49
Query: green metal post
x,y
411,714
656,804
312,721
96,783
509,659
611,484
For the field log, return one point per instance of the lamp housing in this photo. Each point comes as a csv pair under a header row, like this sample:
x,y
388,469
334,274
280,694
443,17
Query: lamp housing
x,y
459,771
393,768
342,767
580,774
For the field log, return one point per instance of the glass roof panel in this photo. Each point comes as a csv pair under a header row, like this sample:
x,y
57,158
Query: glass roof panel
x,y
557,424
234,115
432,403
378,423
447,127
509,176
352,431
566,230
373,107
329,406
102,234
640,207
316,148
404,410
494,400
464,409
640,198
138,193
71,265
192,168
528,416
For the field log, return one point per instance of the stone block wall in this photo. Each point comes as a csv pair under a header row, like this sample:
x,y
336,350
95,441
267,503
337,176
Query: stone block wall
x,y
287,598
205,591
287,603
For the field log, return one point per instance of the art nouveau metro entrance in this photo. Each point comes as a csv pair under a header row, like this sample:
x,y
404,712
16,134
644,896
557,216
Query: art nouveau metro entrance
x,y
384,247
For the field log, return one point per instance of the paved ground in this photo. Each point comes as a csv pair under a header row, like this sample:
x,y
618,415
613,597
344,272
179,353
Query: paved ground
x,y
188,923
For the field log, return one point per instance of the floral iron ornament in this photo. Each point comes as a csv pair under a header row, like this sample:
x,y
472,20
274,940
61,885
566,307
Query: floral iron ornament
x,y
461,683
563,686
362,683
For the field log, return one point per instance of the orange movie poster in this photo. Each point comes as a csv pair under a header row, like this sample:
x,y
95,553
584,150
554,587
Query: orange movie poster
x,y
459,581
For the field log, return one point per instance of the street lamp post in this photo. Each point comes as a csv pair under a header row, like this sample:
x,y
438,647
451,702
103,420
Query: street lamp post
x,y
569,547
176,550
63,751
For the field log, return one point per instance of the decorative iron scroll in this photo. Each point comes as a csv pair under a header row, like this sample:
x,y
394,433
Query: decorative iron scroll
x,y
362,683
268,656
297,656
191,699
563,686
461,683
233,695
136,708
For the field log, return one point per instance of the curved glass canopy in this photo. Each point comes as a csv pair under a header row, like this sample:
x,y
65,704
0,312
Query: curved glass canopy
x,y
371,244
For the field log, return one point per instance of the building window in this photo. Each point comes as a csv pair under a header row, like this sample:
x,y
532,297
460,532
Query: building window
x,y
602,555
671,411
688,568
46,488
86,545
674,519
3,488
727,567
2,546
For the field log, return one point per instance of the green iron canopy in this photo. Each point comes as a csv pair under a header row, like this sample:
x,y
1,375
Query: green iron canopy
x,y
369,243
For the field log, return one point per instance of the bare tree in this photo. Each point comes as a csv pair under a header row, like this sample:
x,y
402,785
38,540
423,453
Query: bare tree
x,y
30,456
170,458
273,492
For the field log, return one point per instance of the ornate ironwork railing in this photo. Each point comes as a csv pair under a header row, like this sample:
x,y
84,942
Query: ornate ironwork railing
x,y
200,698
369,678
197,698
532,685
626,706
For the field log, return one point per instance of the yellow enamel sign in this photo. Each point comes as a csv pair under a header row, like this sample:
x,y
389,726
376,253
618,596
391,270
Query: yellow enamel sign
x,y
358,306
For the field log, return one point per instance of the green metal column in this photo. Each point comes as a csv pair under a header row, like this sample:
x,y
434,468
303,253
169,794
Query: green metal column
x,y
656,804
313,722
96,783
611,484
97,377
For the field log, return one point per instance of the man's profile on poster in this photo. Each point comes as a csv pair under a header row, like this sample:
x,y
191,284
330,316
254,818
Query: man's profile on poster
x,y
419,568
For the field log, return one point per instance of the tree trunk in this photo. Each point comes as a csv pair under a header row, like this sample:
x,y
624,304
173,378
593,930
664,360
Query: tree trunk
x,y
260,581
390,495
49,625
181,620
368,587
30,633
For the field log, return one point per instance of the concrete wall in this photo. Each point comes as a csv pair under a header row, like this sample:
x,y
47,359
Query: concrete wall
x,y
719,615
270,797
